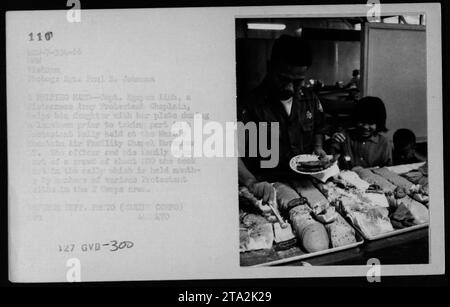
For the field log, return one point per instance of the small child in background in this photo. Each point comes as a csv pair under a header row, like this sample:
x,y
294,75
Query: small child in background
x,y
405,148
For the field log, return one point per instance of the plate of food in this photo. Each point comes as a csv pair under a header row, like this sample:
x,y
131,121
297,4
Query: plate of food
x,y
312,164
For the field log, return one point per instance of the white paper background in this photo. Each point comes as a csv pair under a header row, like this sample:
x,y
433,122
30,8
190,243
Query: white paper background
x,y
188,51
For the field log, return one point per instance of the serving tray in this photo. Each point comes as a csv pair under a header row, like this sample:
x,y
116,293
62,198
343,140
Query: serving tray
x,y
272,257
390,233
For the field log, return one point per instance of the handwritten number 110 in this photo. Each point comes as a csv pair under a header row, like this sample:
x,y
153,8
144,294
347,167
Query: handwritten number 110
x,y
40,36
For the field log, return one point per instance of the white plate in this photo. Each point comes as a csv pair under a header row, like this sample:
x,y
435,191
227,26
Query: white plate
x,y
306,158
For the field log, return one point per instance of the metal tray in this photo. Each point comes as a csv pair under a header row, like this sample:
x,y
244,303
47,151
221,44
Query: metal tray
x,y
382,235
272,257
386,234
405,168
390,233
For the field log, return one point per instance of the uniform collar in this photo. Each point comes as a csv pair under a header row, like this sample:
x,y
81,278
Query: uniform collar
x,y
263,91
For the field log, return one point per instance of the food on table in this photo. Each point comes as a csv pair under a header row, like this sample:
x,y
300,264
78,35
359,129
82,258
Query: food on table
x,y
370,218
340,232
284,237
327,215
402,217
424,180
370,193
371,221
374,188
424,169
287,198
312,163
251,219
414,190
255,233
418,210
375,179
311,234
421,197
352,178
419,193
316,200
377,199
394,178
255,238
400,192
413,176
424,184
419,177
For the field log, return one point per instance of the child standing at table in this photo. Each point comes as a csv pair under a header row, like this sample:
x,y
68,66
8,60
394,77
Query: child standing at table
x,y
364,145
405,148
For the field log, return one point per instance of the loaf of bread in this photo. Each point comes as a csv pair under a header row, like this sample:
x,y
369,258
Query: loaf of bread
x,y
394,178
311,234
316,200
418,192
285,196
372,178
353,179
340,232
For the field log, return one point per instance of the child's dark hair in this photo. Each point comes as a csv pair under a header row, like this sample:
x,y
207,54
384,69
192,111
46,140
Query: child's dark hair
x,y
403,137
291,50
371,110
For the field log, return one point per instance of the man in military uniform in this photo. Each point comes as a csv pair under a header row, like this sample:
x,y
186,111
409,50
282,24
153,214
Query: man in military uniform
x,y
282,98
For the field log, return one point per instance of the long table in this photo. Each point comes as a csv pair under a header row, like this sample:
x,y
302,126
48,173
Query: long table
x,y
407,248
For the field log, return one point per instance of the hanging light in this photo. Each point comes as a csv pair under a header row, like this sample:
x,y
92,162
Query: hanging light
x,y
266,26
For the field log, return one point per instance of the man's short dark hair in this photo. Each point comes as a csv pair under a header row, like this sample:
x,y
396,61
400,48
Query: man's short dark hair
x,y
403,137
371,109
292,51
355,72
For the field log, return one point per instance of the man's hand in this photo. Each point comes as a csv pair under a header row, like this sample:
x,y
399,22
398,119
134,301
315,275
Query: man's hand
x,y
338,137
262,190
320,152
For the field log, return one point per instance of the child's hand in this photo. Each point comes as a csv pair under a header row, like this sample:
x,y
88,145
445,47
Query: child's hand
x,y
338,137
320,152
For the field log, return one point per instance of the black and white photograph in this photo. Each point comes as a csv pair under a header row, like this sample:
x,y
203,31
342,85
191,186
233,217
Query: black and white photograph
x,y
224,144
349,96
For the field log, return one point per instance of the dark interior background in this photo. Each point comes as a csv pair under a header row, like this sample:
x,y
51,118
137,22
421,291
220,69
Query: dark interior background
x,y
334,42
336,47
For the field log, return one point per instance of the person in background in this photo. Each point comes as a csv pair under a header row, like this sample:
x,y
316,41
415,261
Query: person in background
x,y
282,97
354,81
364,145
354,86
405,148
